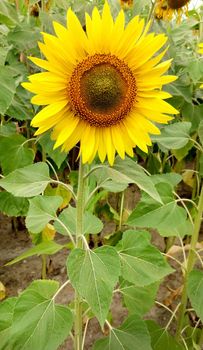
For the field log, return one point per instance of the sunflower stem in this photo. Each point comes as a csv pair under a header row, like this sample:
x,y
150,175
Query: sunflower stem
x,y
190,264
79,244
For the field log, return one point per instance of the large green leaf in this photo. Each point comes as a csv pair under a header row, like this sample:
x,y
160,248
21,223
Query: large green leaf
x,y
48,144
49,247
141,263
21,154
38,322
91,224
42,209
161,339
94,273
195,291
7,89
28,181
128,171
13,206
168,218
172,179
138,300
8,13
132,335
6,317
174,136
20,107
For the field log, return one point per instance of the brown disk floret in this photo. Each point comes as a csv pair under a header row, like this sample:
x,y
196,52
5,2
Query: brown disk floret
x,y
102,90
176,4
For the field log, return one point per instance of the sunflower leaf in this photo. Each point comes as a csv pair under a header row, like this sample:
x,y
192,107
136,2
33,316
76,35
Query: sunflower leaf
x,y
138,299
36,313
6,316
91,224
28,181
168,218
132,334
42,209
49,248
161,339
141,263
13,206
174,136
195,291
94,273
128,171
21,154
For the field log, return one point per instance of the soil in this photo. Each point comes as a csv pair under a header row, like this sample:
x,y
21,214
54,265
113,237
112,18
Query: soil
x,y
17,277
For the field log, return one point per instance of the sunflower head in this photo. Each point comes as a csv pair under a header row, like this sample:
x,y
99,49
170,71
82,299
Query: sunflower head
x,y
167,9
101,88
126,4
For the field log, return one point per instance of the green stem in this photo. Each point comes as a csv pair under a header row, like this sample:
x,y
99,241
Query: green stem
x,y
44,266
80,209
151,11
121,210
190,264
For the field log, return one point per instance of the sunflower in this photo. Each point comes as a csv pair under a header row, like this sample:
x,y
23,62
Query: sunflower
x,y
101,88
126,4
201,51
166,9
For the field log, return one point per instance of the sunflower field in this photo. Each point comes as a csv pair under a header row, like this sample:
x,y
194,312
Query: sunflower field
x,y
101,166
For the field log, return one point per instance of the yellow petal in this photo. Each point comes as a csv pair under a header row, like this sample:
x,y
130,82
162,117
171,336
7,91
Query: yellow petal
x,y
48,111
87,143
118,141
101,146
65,128
109,145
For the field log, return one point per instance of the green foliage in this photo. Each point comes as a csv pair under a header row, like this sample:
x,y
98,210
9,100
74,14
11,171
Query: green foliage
x,y
47,248
195,291
35,313
161,339
126,172
141,263
7,88
174,136
94,273
168,218
138,299
132,334
67,222
6,319
21,155
56,155
13,206
42,209
28,181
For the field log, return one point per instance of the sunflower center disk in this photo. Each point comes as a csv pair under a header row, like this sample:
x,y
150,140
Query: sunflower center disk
x,y
177,4
102,90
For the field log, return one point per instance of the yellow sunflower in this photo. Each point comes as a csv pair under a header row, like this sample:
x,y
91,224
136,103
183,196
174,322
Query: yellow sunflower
x,y
201,51
166,9
126,4
102,88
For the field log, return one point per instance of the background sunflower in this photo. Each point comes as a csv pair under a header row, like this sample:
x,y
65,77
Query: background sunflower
x,y
167,9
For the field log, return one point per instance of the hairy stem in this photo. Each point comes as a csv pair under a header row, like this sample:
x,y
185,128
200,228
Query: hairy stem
x,y
80,210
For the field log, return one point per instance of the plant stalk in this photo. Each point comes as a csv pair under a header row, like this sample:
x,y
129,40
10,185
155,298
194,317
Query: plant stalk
x,y
80,210
44,266
190,264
